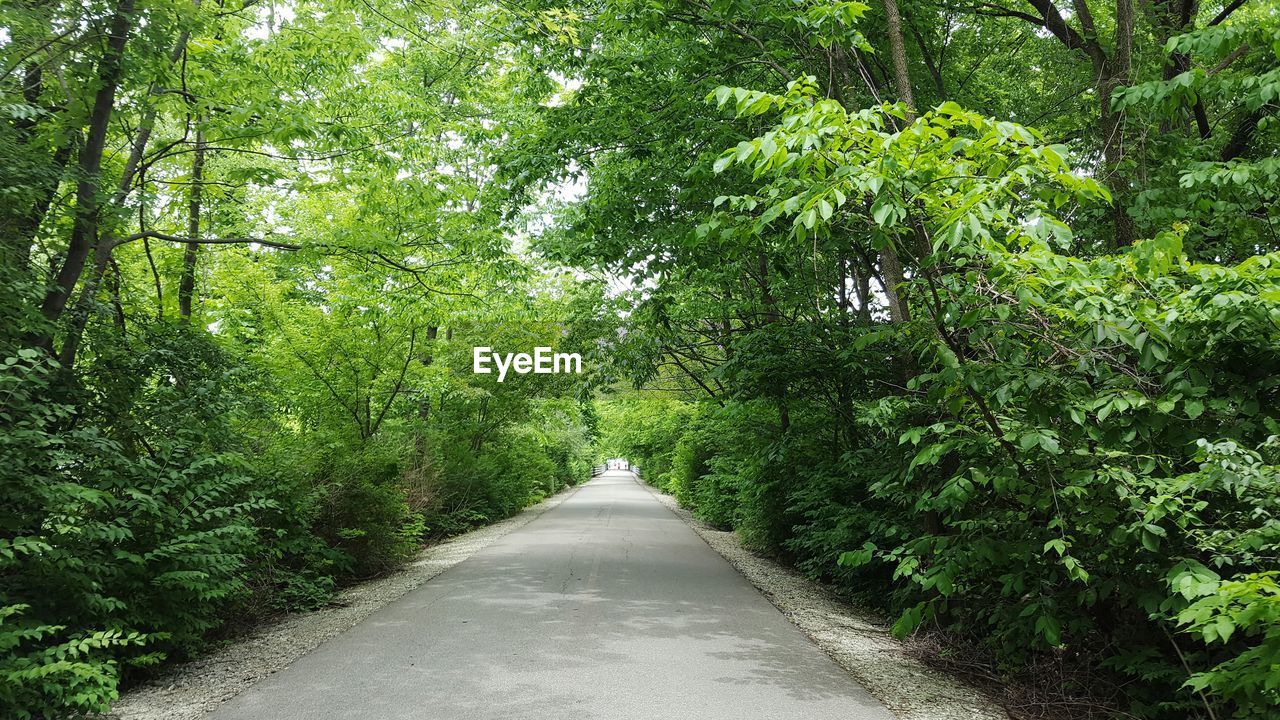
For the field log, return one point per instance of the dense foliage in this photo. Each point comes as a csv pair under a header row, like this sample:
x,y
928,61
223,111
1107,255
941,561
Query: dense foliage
x,y
1017,386
970,308
247,249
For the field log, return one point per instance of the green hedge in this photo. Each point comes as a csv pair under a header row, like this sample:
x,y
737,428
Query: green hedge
x,y
1095,484
156,501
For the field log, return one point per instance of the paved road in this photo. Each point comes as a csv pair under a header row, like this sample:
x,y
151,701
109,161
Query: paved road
x,y
607,606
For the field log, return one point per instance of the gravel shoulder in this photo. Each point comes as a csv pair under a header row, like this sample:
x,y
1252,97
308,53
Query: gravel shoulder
x,y
192,690
856,639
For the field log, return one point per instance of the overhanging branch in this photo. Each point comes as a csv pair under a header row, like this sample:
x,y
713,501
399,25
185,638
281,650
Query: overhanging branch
x,y
153,235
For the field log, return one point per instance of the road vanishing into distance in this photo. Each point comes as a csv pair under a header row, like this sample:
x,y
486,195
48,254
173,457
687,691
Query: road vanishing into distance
x,y
607,606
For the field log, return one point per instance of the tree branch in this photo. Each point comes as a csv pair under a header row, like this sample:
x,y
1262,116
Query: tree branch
x,y
1226,12
153,235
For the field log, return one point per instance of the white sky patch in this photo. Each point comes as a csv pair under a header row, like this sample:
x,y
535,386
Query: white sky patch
x,y
570,191
568,86
269,19
541,214
387,47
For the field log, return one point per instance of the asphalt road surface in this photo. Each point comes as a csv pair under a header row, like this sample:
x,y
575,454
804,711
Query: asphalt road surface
x,y
607,606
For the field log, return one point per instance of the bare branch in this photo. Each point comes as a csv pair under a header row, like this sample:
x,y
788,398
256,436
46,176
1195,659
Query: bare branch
x,y
153,235
1226,12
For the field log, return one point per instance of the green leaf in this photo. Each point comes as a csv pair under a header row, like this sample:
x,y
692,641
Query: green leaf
x,y
1194,408
881,212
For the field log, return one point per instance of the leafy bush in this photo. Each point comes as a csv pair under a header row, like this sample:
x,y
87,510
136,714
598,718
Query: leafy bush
x,y
109,558
1127,506
363,512
1040,453
1249,606
689,463
45,670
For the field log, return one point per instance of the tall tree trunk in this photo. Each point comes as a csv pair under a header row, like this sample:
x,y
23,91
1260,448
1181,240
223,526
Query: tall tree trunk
x,y
110,74
892,276
114,286
187,283
1173,17
891,266
84,233
898,54
934,67
844,393
890,261
1115,73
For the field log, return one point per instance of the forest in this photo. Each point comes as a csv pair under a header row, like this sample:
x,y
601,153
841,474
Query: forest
x,y
969,309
